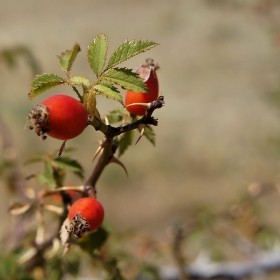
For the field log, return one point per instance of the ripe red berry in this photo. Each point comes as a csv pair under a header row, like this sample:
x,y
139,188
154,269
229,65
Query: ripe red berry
x,y
147,72
60,116
86,214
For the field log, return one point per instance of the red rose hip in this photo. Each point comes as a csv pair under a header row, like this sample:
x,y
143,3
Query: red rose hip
x,y
86,214
60,116
147,72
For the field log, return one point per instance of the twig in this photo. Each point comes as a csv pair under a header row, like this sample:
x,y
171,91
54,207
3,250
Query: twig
x,y
111,132
110,148
177,251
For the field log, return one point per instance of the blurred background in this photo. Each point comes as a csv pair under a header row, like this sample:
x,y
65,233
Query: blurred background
x,y
220,129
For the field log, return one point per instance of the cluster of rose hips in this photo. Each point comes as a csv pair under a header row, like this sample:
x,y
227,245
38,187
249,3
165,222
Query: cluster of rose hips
x,y
63,117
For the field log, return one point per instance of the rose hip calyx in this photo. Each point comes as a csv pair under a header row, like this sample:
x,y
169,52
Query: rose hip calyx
x,y
39,120
78,226
85,214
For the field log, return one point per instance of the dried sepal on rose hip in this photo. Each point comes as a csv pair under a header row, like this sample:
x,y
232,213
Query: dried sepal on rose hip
x,y
147,72
60,116
86,214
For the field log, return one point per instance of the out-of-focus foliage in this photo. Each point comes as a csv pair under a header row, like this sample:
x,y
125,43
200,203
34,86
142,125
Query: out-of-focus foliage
x,y
11,56
237,230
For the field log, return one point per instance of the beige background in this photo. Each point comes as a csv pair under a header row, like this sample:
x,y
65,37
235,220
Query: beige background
x,y
219,130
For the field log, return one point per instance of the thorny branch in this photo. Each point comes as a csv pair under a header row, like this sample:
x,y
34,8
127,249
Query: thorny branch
x,y
203,267
110,148
111,132
35,256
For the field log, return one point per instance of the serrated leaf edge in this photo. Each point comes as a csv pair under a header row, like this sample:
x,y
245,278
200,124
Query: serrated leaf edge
x,y
132,55
70,52
105,57
34,88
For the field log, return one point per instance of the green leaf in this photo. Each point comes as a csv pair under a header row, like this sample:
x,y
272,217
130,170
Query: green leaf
x,y
149,134
109,91
80,81
49,168
11,57
71,165
97,52
129,49
9,267
44,82
71,264
126,78
53,268
125,141
116,115
93,240
46,179
66,59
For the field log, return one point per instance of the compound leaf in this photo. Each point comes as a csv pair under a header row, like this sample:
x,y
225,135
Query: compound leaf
x,y
96,54
129,49
44,82
125,78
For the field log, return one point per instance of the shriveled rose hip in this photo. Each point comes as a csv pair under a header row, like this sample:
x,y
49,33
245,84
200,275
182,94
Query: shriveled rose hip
x,y
60,116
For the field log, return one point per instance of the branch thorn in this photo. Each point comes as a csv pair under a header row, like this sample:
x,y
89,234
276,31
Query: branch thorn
x,y
142,126
117,161
100,148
